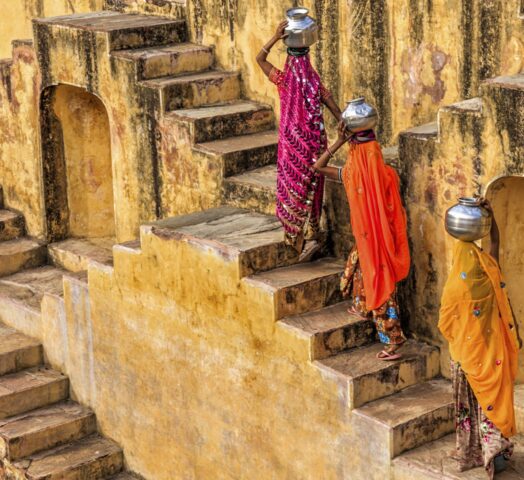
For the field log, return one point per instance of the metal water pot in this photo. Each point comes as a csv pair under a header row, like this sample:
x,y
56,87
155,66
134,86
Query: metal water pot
x,y
468,220
302,30
359,116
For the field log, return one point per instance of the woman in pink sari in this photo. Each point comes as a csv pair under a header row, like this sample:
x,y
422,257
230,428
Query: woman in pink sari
x,y
302,138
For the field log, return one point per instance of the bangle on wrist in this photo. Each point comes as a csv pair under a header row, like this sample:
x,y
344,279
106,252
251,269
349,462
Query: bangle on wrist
x,y
330,152
264,49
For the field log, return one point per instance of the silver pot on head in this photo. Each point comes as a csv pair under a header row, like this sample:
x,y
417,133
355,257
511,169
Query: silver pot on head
x,y
359,116
468,220
302,30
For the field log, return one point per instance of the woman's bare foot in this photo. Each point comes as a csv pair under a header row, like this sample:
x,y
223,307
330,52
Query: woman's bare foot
x,y
310,249
353,311
389,354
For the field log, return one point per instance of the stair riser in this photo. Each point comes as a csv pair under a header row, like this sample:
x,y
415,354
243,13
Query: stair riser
x,y
143,37
11,229
15,262
175,64
267,258
67,260
309,296
239,162
425,429
207,130
203,92
97,469
26,400
21,359
26,445
393,379
327,344
251,197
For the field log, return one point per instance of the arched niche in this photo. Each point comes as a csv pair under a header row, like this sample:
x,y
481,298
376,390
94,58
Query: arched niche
x,y
77,165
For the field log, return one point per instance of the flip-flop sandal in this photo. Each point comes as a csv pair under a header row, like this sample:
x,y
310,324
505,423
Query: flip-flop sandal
x,y
352,311
388,357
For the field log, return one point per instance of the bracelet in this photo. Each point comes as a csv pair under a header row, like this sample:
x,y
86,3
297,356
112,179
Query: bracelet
x,y
340,174
330,152
265,50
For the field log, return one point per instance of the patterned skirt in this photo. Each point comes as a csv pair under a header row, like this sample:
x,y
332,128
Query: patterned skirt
x,y
386,318
478,440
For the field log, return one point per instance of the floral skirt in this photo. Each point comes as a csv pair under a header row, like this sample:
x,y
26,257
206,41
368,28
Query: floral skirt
x,y
478,440
386,317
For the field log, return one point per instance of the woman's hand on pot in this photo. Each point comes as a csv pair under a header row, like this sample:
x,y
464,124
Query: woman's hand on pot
x,y
281,30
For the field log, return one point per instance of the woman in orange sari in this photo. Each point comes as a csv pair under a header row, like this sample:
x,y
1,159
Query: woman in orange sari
x,y
380,259
477,321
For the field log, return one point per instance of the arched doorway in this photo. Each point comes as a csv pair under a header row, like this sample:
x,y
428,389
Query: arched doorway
x,y
78,174
507,197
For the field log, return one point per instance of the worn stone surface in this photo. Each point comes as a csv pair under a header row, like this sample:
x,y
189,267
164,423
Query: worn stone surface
x,y
45,428
18,352
367,378
75,254
433,461
31,389
11,225
19,254
255,189
332,330
92,457
410,418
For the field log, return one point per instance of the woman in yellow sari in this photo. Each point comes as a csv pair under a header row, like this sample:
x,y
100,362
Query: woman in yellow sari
x,y
477,320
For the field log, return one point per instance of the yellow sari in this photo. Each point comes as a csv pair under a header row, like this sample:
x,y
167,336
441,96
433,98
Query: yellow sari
x,y
477,321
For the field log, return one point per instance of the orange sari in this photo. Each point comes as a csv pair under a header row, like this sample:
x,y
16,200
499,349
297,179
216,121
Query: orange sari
x,y
477,321
378,220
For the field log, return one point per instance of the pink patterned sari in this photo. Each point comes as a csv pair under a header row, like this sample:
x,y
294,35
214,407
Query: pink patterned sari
x,y
302,138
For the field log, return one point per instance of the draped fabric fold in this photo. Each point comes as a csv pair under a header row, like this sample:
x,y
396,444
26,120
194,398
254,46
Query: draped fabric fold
x,y
477,321
378,221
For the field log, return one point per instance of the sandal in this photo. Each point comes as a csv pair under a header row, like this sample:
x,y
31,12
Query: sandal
x,y
387,356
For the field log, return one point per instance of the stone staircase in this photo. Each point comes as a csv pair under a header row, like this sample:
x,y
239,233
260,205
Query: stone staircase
x,y
44,434
16,250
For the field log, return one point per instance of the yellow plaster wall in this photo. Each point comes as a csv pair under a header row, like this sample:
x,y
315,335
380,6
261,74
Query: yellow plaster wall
x,y
18,14
87,151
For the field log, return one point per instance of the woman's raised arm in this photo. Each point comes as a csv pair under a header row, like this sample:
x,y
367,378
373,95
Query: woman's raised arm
x,y
264,52
321,165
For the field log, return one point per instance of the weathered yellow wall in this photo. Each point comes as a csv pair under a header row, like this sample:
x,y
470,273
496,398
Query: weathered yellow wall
x,y
17,16
87,152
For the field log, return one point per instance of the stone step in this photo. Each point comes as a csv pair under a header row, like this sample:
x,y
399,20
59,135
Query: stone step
x,y
92,457
254,190
434,461
12,225
332,330
19,254
195,90
126,476
31,389
243,152
1,197
519,407
367,378
427,131
256,241
18,351
75,254
410,418
124,31
45,428
227,120
156,62
302,288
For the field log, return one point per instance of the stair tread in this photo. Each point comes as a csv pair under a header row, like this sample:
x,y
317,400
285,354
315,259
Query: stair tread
x,y
67,457
18,246
7,215
512,82
34,282
411,403
12,341
207,112
188,78
284,277
264,177
434,461
324,320
108,21
42,419
423,131
28,379
471,105
239,143
158,51
231,228
80,251
362,361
